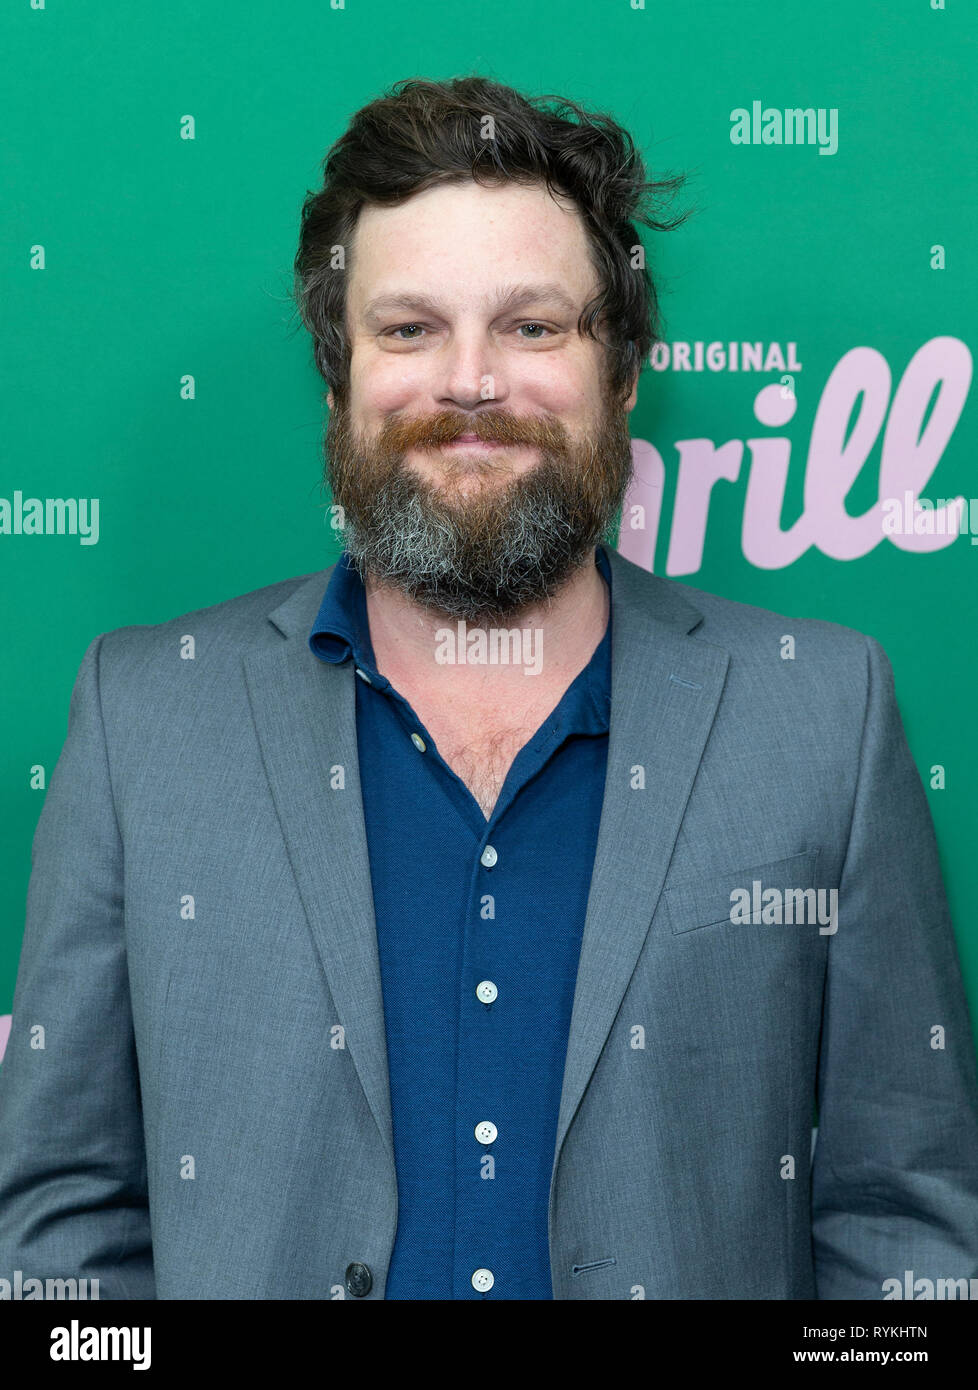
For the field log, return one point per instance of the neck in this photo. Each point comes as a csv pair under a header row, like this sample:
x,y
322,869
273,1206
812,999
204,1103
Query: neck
x,y
557,639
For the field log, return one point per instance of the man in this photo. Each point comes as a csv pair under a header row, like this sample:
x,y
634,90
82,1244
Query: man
x,y
386,931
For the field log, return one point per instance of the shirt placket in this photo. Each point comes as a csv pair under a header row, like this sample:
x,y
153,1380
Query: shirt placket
x,y
480,1105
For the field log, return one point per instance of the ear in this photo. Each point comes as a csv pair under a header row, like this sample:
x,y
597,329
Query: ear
x,y
329,399
633,394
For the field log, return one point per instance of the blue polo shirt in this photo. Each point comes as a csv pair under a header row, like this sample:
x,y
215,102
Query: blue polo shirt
x,y
479,928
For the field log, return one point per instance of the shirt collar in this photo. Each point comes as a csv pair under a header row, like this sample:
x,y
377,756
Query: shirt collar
x,y
342,630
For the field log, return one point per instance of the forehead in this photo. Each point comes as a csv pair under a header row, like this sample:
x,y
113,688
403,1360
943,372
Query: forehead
x,y
468,243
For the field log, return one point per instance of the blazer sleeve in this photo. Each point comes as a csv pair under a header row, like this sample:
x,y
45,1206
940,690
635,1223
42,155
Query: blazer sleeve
x,y
895,1167
73,1195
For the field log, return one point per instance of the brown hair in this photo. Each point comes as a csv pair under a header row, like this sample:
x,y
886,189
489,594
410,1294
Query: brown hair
x,y
422,133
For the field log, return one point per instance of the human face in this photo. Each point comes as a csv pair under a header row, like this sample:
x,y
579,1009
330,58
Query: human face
x,y
476,453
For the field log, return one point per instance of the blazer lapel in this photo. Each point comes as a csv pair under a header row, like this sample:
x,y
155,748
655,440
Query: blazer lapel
x,y
304,711
665,689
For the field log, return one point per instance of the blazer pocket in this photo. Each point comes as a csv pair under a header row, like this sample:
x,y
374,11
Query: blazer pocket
x,y
707,902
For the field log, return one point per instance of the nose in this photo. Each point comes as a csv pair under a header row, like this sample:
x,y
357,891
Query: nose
x,y
471,371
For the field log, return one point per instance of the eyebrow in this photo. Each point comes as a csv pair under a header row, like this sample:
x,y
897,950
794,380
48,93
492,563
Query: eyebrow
x,y
514,297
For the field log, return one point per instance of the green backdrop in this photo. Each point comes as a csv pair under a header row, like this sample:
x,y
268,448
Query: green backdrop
x,y
133,258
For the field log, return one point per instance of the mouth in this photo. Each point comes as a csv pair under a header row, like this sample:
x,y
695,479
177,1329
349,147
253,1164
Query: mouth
x,y
473,442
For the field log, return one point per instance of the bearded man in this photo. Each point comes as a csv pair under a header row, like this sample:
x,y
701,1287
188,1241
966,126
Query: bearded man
x,y
387,948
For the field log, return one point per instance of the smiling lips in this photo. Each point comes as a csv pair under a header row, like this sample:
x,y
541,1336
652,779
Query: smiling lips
x,y
472,441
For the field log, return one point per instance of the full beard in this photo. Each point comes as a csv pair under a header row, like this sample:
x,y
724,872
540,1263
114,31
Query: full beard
x,y
507,545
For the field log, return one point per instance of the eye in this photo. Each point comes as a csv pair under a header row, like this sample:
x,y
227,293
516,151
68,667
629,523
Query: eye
x,y
401,328
535,325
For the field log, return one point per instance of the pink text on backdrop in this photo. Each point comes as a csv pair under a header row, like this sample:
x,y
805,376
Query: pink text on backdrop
x,y
909,457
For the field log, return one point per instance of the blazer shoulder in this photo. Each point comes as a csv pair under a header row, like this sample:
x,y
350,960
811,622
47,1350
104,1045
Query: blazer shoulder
x,y
740,629
744,628
804,671
227,628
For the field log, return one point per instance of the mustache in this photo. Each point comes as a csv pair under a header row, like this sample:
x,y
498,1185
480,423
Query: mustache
x,y
489,427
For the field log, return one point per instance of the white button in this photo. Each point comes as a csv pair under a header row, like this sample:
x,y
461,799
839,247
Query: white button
x,y
486,991
363,676
483,1280
418,742
486,1131
488,857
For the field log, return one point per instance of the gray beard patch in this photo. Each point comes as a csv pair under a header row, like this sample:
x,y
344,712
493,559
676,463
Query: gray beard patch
x,y
422,550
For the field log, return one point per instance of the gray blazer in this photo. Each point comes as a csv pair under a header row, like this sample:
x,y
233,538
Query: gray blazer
x,y
194,1101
